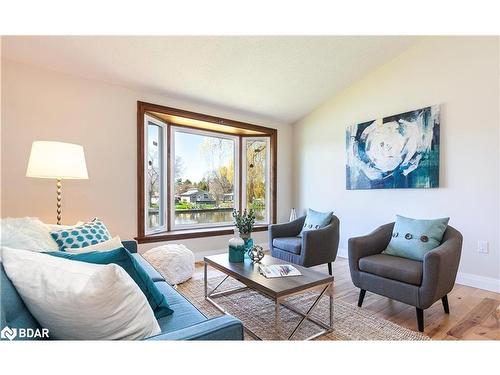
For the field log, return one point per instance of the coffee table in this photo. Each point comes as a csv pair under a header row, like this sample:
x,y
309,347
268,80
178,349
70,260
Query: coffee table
x,y
277,289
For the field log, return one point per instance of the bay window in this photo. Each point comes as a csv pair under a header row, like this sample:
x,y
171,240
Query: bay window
x,y
195,169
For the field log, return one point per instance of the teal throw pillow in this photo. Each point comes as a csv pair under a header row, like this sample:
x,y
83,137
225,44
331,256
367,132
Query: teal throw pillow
x,y
83,235
413,238
124,259
316,220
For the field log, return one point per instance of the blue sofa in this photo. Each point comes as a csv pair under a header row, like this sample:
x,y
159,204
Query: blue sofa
x,y
186,323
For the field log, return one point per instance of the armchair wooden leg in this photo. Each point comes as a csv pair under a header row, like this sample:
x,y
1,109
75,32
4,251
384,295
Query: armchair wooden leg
x,y
330,269
362,293
420,319
445,304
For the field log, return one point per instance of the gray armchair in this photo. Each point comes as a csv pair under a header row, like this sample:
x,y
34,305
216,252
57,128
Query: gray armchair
x,y
314,248
419,284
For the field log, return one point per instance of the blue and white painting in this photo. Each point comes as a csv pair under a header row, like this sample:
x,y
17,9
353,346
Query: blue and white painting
x,y
400,151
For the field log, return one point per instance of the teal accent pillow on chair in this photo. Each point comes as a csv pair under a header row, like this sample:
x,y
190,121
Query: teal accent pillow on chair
x,y
413,238
83,235
124,259
316,220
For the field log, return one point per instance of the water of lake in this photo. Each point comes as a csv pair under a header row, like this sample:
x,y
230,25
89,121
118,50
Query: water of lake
x,y
202,217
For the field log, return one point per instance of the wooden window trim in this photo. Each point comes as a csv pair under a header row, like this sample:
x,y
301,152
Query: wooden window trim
x,y
144,108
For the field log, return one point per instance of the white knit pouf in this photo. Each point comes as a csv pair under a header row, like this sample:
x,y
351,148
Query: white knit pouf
x,y
174,262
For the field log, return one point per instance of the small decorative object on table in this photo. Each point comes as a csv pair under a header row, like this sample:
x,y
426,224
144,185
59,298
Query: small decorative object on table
x,y
293,215
245,221
256,253
236,248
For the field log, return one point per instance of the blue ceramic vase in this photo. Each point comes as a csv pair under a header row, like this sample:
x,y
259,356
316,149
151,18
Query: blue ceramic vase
x,y
248,241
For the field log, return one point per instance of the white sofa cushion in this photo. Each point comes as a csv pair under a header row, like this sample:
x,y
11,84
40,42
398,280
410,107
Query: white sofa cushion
x,y
54,227
27,233
112,244
78,300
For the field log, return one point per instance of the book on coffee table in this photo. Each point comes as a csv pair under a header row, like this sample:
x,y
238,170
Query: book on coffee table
x,y
278,270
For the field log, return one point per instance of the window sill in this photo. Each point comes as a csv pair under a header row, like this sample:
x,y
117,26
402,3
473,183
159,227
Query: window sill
x,y
192,233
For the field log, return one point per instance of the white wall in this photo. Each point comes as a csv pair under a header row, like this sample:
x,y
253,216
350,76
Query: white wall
x,y
498,167
44,105
461,73
0,118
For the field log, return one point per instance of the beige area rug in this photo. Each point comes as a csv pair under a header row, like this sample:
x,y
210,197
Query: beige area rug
x,y
257,314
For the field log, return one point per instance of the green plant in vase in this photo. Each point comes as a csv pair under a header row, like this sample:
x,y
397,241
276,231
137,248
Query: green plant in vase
x,y
244,221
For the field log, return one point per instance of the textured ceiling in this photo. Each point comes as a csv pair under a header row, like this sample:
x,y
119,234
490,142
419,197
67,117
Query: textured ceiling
x,y
283,78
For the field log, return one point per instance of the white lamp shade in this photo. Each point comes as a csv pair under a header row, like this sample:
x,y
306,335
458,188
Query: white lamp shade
x,y
57,160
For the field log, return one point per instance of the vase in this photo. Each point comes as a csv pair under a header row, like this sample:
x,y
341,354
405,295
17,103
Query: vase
x,y
293,214
248,240
237,248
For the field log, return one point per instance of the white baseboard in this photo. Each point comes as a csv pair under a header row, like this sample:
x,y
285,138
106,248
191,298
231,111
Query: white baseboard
x,y
468,279
342,253
481,282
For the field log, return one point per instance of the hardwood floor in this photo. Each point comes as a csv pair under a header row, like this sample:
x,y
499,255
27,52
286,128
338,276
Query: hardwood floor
x,y
474,313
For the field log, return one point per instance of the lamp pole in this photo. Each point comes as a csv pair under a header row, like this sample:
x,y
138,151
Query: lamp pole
x,y
59,200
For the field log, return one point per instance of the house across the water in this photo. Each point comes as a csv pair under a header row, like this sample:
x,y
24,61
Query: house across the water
x,y
197,196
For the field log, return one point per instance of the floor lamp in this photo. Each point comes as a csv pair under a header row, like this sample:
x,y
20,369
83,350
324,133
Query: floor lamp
x,y
57,160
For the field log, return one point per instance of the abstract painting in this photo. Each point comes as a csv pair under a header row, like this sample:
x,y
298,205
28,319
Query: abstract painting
x,y
400,151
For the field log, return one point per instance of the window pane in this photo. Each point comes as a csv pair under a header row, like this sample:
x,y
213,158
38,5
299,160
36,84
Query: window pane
x,y
204,174
154,178
256,178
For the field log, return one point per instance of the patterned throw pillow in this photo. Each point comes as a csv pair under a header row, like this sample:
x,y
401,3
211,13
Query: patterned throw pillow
x,y
83,235
413,238
315,220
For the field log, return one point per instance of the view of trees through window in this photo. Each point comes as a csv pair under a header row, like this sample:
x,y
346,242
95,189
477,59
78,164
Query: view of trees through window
x,y
256,173
204,174
154,176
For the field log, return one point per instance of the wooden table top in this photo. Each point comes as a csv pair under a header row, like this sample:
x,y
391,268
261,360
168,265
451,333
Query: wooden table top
x,y
247,273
